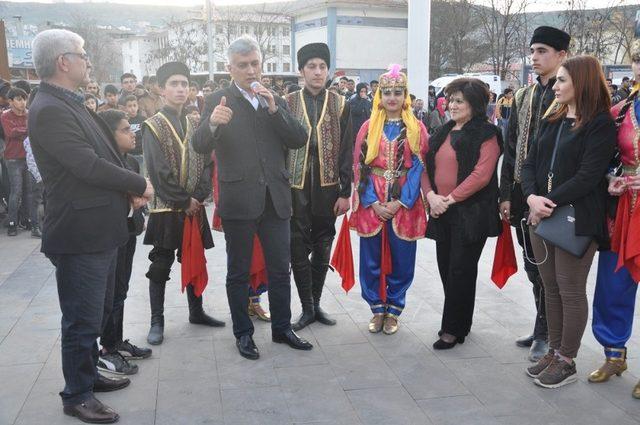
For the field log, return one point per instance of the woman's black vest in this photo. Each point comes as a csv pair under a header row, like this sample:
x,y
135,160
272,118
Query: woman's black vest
x,y
477,216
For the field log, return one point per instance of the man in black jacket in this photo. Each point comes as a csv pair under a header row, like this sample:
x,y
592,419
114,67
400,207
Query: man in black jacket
x,y
251,131
89,192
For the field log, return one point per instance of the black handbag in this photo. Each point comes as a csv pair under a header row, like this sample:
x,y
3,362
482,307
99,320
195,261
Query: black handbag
x,y
559,229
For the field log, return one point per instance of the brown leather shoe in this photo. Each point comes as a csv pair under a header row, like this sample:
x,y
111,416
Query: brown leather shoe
x,y
92,411
105,385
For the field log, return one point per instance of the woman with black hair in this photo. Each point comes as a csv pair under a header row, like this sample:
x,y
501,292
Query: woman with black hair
x,y
462,192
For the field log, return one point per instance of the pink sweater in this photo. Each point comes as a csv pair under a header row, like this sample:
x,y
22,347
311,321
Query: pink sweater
x,y
446,175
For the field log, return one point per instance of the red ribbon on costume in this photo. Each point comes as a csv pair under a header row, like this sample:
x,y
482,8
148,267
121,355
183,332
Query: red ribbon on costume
x,y
386,266
258,271
622,242
342,258
504,259
216,222
194,263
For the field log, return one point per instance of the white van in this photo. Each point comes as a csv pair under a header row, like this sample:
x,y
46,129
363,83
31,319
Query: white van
x,y
493,81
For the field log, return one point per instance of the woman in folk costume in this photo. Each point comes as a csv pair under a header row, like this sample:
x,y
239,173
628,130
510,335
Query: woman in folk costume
x,y
388,209
619,269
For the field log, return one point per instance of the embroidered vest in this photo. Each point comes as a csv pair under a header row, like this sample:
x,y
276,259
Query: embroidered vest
x,y
329,139
186,164
526,116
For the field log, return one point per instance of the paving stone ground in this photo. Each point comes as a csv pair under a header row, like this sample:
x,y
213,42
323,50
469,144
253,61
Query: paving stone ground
x,y
350,377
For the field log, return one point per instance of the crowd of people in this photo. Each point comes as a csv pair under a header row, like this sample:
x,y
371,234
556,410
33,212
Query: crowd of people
x,y
281,163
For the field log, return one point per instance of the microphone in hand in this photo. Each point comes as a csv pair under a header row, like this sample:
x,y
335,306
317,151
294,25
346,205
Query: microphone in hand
x,y
256,86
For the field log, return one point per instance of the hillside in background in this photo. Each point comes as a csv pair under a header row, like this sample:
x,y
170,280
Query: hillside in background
x,y
107,14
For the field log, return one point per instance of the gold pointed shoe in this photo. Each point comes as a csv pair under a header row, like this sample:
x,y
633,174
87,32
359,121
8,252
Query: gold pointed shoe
x,y
376,323
255,309
390,325
636,391
611,366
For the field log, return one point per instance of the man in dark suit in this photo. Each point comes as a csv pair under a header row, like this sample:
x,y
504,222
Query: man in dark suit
x,y
251,131
89,193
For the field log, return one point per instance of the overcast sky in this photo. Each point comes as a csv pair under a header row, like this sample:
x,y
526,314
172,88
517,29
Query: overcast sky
x,y
537,5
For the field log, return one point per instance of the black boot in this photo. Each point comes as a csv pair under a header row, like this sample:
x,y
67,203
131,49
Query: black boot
x,y
303,283
540,327
301,268
156,299
307,317
319,266
197,316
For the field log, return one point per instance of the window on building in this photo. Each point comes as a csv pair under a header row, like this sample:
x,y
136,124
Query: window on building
x,y
272,49
220,66
286,67
286,31
271,30
286,49
272,67
244,29
219,29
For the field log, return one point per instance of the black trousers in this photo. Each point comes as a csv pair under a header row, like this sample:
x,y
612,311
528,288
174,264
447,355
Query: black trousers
x,y
274,234
112,335
524,240
458,268
311,240
85,292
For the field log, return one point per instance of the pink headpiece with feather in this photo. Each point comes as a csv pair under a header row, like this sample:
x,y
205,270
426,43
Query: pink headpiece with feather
x,y
394,78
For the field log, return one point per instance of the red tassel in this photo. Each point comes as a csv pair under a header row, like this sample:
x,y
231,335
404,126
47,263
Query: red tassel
x,y
386,266
193,261
504,259
258,272
342,258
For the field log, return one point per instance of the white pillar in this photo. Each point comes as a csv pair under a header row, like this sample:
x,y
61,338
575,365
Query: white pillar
x,y
418,47
210,39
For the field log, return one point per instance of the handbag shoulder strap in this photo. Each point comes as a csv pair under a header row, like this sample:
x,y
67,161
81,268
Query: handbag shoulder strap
x,y
553,157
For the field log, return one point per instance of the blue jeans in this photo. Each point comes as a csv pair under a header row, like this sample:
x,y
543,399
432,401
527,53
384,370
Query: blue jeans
x,y
85,292
20,182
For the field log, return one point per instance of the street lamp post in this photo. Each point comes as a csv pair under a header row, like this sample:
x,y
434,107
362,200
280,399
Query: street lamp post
x,y
210,38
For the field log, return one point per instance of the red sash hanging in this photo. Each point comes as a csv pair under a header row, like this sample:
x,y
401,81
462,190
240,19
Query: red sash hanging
x,y
504,259
258,271
194,263
626,246
342,258
386,266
